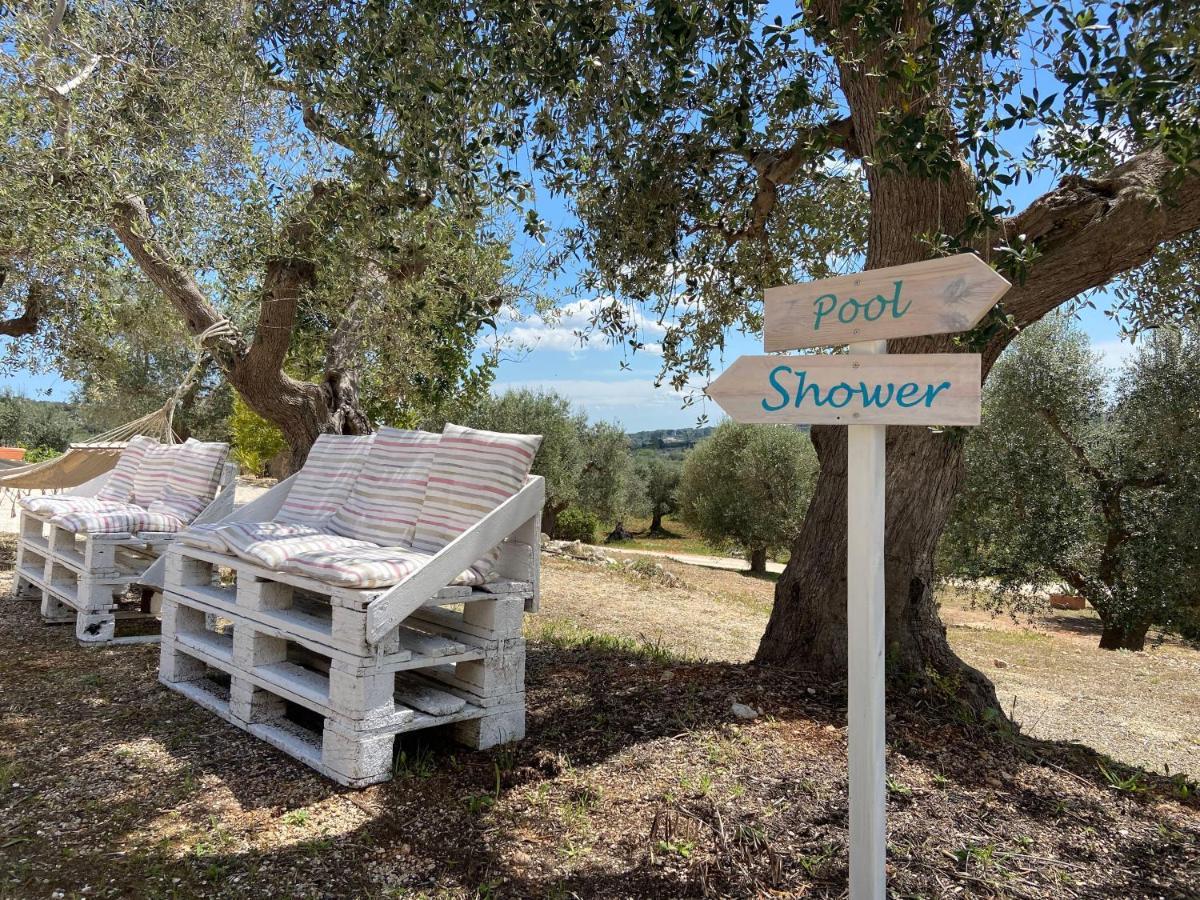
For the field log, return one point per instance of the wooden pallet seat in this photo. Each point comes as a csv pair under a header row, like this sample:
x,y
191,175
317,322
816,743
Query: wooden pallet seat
x,y
80,552
398,609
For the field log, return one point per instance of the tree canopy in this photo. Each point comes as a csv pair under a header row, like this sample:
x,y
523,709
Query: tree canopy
x,y
1075,480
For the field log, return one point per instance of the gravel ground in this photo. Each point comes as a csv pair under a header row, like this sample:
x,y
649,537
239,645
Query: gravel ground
x,y
635,780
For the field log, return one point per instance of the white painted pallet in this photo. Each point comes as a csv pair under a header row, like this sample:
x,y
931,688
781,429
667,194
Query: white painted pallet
x,y
274,653
78,578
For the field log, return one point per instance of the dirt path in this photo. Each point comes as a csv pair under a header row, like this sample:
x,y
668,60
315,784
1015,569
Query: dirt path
x,y
1140,708
732,563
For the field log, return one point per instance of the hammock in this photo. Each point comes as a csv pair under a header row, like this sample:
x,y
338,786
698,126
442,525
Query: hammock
x,y
85,460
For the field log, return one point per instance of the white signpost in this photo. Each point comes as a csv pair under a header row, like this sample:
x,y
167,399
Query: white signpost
x,y
867,392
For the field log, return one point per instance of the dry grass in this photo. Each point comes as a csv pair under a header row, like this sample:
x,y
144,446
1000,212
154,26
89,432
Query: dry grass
x,y
634,780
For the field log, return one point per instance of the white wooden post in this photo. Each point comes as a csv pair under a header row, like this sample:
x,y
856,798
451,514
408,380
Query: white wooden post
x,y
866,482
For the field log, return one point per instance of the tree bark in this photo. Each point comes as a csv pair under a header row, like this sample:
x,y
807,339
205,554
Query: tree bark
x,y
758,561
301,410
656,526
1087,231
1121,636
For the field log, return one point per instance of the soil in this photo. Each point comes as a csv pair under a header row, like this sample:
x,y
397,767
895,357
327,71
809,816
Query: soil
x,y
635,779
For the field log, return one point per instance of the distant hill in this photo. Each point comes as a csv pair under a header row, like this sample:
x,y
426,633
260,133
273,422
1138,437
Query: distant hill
x,y
668,438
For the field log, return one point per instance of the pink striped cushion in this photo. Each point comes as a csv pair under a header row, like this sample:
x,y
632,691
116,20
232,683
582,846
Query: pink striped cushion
x,y
365,566
118,520
271,543
323,484
473,473
150,480
195,470
387,494
118,487
205,537
55,505
179,504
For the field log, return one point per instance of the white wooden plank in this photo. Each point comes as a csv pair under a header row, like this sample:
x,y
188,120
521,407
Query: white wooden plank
x,y
865,511
937,296
915,389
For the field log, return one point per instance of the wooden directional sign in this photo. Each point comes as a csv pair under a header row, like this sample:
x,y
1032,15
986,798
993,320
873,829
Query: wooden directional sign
x,y
938,296
911,389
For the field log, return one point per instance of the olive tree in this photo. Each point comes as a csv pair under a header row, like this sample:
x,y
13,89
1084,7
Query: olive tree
x,y
747,486
660,477
710,149
586,466
168,141
1072,479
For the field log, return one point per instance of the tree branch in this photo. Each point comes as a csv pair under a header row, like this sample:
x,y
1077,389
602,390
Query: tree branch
x,y
131,222
1089,230
778,167
1080,454
27,322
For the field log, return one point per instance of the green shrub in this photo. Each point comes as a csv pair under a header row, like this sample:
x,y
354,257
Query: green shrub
x,y
255,440
40,454
576,525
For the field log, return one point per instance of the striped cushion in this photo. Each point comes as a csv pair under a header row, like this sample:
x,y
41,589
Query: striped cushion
x,y
387,494
118,486
54,506
473,473
150,480
323,484
205,537
195,471
118,520
270,543
365,566
179,504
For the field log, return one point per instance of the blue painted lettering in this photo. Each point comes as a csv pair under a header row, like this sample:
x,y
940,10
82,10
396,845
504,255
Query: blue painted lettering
x,y
778,387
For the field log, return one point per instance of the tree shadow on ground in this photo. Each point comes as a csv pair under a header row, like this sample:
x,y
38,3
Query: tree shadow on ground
x,y
605,797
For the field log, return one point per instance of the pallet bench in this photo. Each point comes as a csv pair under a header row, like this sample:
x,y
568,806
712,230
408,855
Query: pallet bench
x,y
331,675
82,578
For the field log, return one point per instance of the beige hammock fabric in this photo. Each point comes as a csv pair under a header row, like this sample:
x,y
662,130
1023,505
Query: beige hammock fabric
x,y
84,461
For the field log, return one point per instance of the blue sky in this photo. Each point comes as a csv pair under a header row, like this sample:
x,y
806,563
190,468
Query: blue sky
x,y
610,383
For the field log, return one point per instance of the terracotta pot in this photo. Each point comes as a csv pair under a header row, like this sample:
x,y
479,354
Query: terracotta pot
x,y
16,454
1067,601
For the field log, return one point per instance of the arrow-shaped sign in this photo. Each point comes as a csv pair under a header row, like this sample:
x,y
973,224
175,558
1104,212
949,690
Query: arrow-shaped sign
x,y
938,296
912,389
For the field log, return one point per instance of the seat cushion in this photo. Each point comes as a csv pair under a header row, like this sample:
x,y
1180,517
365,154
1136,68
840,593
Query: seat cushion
x,y
179,504
365,566
269,544
473,472
118,487
205,537
53,506
128,519
195,471
386,498
324,482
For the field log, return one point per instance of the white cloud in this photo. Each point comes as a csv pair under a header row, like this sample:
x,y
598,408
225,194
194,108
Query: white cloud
x,y
1114,354
625,399
570,328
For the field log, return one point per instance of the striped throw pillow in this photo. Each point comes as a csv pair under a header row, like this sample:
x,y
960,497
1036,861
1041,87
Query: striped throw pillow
x,y
119,485
150,480
365,566
323,484
196,468
386,498
473,472
177,503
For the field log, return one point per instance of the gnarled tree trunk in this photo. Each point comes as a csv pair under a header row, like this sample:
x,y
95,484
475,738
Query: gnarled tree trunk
x,y
1086,230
